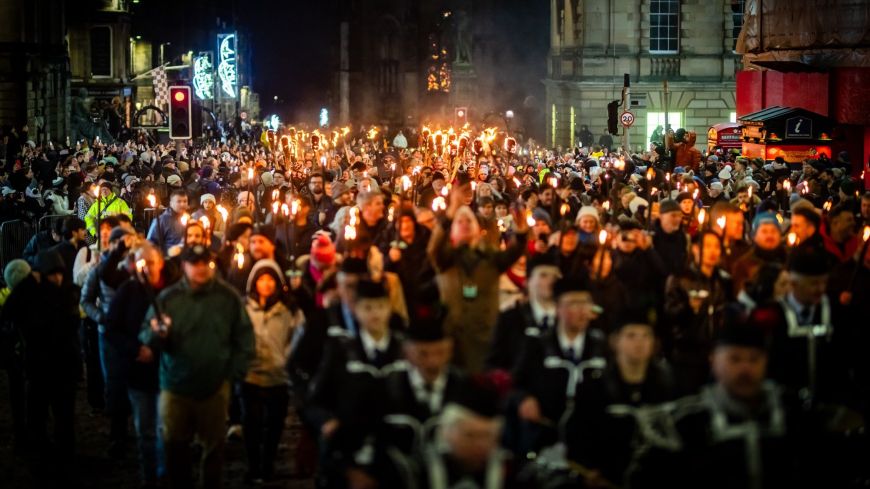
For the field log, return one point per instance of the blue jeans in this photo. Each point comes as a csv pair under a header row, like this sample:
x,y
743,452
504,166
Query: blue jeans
x,y
146,419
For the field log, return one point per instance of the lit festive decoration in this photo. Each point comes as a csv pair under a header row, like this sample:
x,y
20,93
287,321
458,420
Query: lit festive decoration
x,y
792,239
372,133
203,77
564,209
152,200
205,222
272,122
406,183
602,237
184,219
721,222
866,233
324,117
702,216
227,73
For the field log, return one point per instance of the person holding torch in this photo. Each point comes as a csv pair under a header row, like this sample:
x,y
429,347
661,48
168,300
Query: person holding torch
x,y
468,270
206,342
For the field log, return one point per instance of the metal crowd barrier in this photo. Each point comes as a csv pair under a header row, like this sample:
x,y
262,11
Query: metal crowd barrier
x,y
14,236
47,222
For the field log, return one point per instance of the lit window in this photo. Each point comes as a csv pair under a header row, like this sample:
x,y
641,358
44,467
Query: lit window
x,y
664,26
656,119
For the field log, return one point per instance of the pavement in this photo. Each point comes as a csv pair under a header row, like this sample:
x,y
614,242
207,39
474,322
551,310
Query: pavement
x,y
92,467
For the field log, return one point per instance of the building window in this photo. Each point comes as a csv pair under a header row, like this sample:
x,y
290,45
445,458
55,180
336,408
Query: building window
x,y
656,119
101,51
737,9
664,26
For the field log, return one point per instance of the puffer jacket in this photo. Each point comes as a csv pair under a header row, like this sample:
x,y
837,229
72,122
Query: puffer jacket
x,y
276,332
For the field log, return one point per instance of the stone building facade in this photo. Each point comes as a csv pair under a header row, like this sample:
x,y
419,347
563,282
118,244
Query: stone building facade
x,y
34,68
688,43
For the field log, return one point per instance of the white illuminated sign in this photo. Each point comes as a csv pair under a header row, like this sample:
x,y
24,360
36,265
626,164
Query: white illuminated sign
x,y
227,64
273,122
203,77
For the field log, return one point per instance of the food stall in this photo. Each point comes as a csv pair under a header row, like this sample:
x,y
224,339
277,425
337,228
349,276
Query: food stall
x,y
793,133
726,135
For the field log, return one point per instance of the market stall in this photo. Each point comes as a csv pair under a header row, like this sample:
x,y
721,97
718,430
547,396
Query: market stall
x,y
795,134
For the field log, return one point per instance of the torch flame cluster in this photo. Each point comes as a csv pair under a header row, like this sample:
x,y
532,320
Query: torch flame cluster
x,y
350,227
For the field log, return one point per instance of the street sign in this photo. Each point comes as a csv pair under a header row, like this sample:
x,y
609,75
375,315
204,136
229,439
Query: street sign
x,y
627,118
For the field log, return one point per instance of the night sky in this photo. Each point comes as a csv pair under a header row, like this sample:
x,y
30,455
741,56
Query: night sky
x,y
292,47
294,41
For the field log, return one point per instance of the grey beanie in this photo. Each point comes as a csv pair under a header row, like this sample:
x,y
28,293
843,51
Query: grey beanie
x,y
16,271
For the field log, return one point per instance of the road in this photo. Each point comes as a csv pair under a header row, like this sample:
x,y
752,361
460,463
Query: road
x,y
92,468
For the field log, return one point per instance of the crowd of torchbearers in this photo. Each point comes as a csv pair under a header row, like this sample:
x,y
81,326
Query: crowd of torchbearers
x,y
440,307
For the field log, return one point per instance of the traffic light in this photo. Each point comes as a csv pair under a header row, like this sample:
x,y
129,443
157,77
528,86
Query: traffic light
x,y
613,117
180,123
460,115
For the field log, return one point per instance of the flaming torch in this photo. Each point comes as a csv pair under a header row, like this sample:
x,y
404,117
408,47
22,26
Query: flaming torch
x,y
240,256
602,239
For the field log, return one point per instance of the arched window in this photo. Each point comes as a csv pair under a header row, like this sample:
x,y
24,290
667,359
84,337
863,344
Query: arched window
x,y
664,26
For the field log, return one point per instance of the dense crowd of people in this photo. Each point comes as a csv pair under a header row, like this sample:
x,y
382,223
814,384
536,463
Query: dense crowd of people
x,y
496,315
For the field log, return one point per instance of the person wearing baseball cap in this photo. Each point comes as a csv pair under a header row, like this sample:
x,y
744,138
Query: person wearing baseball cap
x,y
206,343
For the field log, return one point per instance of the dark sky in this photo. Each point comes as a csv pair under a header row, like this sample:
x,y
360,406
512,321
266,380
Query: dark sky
x,y
293,42
292,46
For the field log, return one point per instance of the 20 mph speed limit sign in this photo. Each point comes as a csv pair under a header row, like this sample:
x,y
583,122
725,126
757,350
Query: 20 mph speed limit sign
x,y
627,118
